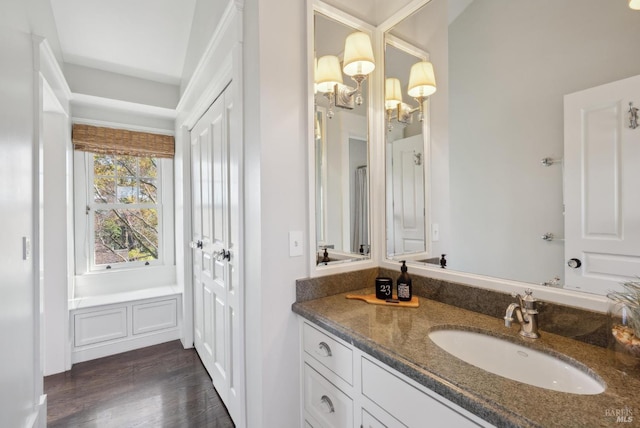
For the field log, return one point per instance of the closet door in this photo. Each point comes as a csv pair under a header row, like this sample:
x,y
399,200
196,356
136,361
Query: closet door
x,y
215,271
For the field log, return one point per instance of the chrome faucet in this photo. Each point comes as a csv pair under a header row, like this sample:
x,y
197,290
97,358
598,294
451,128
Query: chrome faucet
x,y
527,313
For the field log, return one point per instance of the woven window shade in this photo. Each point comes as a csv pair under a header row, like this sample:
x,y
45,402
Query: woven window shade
x,y
112,141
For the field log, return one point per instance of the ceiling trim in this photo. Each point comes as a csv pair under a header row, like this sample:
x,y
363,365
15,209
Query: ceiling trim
x,y
228,17
123,106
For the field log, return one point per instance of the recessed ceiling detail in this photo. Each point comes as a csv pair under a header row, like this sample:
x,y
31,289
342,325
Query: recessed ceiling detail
x,y
141,38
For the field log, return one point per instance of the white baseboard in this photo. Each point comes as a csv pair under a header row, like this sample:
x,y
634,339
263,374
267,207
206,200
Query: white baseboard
x,y
39,418
105,349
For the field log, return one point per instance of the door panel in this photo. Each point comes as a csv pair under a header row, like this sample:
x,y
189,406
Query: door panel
x,y
601,181
408,195
214,264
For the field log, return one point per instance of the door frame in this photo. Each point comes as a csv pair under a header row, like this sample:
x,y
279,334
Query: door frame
x,y
220,64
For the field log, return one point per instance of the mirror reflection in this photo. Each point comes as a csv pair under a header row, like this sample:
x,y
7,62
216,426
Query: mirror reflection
x,y
404,152
501,198
343,61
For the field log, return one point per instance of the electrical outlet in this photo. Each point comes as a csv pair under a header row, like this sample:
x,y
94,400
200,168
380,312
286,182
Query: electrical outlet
x,y
296,247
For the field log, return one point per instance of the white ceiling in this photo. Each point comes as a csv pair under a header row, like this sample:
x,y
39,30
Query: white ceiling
x,y
141,38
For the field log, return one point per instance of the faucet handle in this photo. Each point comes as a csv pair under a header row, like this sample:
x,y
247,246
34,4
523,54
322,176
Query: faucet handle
x,y
528,301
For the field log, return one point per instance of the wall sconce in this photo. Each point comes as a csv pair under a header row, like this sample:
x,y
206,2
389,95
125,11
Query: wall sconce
x,y
358,60
422,84
634,4
358,64
328,79
393,104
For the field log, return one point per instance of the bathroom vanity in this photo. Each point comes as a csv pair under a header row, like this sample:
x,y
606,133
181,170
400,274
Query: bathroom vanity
x,y
370,365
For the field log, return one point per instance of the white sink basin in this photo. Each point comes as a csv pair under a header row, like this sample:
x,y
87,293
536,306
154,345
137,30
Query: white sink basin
x,y
516,362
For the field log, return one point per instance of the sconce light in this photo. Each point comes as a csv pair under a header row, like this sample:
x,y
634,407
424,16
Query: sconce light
x,y
422,83
358,60
634,4
393,102
328,79
358,64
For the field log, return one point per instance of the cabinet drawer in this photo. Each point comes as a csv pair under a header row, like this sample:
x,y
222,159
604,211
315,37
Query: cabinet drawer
x,y
406,403
368,421
329,352
324,402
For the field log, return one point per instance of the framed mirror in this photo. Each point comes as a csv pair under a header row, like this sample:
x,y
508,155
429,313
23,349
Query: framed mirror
x,y
343,63
412,208
407,156
499,203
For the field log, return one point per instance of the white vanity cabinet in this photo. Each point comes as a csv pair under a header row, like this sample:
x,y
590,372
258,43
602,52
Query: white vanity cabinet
x,y
345,387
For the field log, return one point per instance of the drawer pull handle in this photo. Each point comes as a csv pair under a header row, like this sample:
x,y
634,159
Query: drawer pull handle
x,y
327,404
326,350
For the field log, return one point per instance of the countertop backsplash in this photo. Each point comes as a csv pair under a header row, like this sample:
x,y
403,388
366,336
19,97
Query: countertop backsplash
x,y
579,324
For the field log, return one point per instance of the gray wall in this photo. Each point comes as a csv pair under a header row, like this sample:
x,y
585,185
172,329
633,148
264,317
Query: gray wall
x,y
510,65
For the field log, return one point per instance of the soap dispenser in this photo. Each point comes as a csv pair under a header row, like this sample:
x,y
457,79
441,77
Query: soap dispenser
x,y
403,284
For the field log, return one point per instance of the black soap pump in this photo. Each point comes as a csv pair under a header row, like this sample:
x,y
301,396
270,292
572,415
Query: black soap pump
x,y
403,284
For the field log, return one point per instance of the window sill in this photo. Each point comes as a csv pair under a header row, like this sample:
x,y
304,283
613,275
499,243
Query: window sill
x,y
106,284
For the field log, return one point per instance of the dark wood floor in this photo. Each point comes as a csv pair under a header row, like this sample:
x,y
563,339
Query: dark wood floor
x,y
159,386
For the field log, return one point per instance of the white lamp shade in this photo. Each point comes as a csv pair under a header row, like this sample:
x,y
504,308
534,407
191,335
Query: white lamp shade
x,y
328,73
392,93
422,80
358,54
634,4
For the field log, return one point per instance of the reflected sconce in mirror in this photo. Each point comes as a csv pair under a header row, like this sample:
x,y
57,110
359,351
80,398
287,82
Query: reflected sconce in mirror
x,y
328,79
422,84
358,64
634,4
358,60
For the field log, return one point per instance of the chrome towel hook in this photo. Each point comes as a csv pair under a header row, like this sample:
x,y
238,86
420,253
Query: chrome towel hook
x,y
633,116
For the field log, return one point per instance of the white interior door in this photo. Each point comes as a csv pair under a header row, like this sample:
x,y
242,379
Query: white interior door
x,y
408,195
217,330
602,178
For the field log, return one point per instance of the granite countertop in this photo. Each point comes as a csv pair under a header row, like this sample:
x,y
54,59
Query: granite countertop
x,y
399,337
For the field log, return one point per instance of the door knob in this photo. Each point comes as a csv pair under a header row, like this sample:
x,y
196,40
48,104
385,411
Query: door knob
x,y
574,263
199,244
222,255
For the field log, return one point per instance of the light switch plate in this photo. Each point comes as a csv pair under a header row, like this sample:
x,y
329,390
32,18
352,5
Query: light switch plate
x,y
26,248
435,232
296,247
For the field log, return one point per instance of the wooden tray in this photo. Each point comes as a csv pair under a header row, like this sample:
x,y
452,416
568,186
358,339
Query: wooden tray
x,y
371,298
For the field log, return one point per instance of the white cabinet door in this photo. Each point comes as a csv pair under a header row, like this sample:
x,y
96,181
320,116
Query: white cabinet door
x,y
215,190
601,161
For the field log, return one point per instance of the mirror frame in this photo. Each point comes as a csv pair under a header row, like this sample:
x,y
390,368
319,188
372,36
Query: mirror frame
x,y
318,6
562,296
409,49
377,202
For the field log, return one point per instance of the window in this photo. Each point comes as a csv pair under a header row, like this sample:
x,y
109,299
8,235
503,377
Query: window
x,y
123,197
124,210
